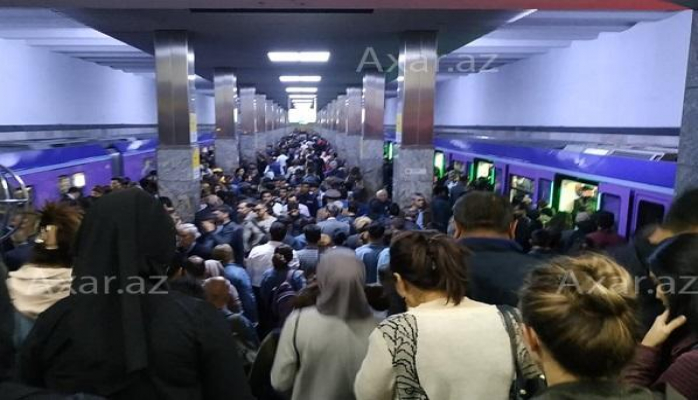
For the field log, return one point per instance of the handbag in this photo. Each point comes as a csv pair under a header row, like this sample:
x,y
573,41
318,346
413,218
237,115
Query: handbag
x,y
523,387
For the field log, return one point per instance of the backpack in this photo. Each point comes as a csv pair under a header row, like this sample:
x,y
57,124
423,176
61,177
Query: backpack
x,y
283,299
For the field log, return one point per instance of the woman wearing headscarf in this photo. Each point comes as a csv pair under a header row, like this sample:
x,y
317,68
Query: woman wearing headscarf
x,y
321,348
121,334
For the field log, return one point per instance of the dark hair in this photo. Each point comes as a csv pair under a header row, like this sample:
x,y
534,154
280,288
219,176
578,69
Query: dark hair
x,y
265,192
394,209
376,230
483,210
605,220
675,264
67,222
339,238
74,189
195,269
286,253
542,238
277,232
582,309
441,190
312,233
683,214
165,201
431,261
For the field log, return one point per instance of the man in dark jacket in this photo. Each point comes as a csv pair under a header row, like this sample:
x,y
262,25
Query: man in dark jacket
x,y
497,266
441,208
227,232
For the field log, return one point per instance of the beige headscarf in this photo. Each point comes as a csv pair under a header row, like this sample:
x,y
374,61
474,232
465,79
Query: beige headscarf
x,y
33,289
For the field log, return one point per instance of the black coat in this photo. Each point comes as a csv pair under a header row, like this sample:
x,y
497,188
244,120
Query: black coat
x,y
497,269
232,234
190,350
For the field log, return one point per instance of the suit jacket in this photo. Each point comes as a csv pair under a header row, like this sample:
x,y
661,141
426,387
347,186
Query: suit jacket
x,y
232,234
330,226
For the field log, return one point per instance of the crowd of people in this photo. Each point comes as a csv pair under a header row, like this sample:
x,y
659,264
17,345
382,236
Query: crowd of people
x,y
293,281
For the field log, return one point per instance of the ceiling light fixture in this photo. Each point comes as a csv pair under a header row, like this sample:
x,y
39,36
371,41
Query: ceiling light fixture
x,y
302,96
301,90
300,78
298,56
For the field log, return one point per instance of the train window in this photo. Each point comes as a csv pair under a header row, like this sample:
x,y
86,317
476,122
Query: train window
x,y
484,169
78,180
64,183
521,187
611,203
575,195
439,164
545,190
649,213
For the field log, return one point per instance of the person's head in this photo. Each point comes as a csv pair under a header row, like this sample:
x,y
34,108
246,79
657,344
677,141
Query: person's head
x,y
325,242
382,195
261,210
376,231
675,267
117,183
441,191
283,192
223,253
427,266
682,217
340,278
333,211
283,255
339,238
97,192
579,316
605,220
312,234
187,235
419,201
217,291
222,213
75,192
244,208
267,197
304,187
277,231
361,224
542,238
58,227
483,214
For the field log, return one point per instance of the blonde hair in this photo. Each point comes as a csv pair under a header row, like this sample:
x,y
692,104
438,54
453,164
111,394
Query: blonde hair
x,y
583,311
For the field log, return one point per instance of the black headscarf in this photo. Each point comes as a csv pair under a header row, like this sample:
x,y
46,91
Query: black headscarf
x,y
125,239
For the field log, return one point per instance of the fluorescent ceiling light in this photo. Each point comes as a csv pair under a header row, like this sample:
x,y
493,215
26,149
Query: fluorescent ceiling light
x,y
596,152
302,96
298,56
301,90
300,78
192,77
522,15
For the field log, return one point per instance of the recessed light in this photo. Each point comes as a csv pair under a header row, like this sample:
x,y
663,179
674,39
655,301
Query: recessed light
x,y
301,90
298,56
300,78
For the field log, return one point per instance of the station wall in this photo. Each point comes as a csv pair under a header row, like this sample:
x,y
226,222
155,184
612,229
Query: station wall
x,y
40,87
632,79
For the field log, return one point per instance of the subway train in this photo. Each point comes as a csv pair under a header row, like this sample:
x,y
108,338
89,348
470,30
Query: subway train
x,y
635,184
49,168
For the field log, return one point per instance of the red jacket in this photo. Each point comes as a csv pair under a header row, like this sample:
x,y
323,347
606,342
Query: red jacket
x,y
675,364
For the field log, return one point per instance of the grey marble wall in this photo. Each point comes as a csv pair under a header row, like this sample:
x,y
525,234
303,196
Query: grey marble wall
x,y
352,150
413,172
178,178
228,154
687,172
371,163
248,147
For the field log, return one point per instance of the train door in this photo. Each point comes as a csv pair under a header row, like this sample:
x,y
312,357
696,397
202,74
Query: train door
x,y
483,174
649,209
616,199
117,165
439,164
574,195
500,177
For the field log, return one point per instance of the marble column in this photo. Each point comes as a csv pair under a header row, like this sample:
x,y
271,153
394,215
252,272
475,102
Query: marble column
x,y
371,158
178,152
413,169
354,126
227,144
687,171
248,124
341,126
261,108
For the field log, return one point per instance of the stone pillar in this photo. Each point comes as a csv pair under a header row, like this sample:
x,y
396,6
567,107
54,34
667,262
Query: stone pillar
x,y
261,108
248,124
341,125
227,144
413,166
353,138
178,151
687,171
371,158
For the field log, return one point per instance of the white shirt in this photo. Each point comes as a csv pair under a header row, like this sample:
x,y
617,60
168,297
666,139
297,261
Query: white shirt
x,y
282,160
259,261
463,352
